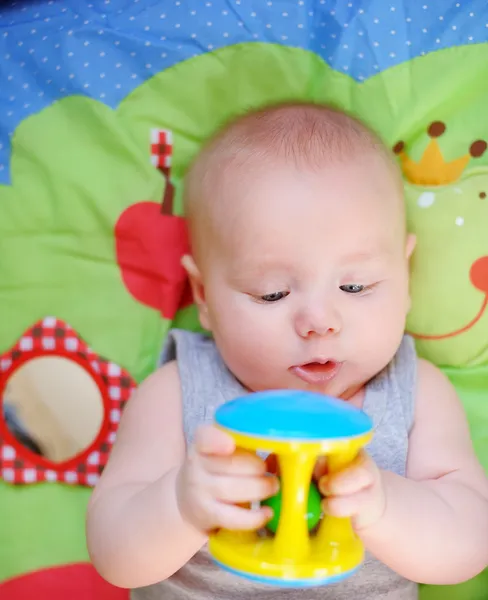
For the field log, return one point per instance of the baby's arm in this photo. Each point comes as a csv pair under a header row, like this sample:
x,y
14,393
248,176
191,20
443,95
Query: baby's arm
x,y
435,525
136,535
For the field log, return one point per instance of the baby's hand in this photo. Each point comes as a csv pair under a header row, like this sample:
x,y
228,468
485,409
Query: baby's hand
x,y
356,491
216,477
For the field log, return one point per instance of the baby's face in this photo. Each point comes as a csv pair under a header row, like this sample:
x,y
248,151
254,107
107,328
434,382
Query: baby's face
x,y
306,286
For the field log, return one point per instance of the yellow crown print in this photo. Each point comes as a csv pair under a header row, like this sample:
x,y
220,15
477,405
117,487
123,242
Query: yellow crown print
x,y
432,169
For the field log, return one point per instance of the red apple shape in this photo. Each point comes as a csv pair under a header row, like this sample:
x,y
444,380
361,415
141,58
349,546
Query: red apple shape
x,y
75,581
149,248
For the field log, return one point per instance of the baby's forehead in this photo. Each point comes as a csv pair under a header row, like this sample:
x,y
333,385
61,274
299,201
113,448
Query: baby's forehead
x,y
238,173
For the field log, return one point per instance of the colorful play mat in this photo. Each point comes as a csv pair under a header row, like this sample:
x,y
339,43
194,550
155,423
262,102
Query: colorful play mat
x,y
103,103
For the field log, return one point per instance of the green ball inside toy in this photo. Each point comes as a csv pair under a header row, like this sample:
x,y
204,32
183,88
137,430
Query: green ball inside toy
x,y
314,509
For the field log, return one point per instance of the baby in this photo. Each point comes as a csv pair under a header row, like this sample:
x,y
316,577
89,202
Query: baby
x,y
299,270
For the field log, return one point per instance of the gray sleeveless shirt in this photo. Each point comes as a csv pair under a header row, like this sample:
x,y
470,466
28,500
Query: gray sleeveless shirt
x,y
206,383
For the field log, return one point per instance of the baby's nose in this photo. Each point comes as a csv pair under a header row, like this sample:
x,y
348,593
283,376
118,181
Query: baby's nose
x,y
479,274
318,322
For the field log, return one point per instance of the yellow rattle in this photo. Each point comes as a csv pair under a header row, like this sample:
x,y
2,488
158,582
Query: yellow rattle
x,y
298,427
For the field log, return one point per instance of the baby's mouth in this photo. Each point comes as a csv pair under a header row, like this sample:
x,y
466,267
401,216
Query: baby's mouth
x,y
317,372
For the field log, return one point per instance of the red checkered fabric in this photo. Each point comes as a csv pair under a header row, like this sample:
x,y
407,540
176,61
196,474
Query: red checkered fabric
x,y
52,336
161,149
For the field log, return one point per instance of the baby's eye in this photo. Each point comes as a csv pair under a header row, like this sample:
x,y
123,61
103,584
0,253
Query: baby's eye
x,y
274,297
352,288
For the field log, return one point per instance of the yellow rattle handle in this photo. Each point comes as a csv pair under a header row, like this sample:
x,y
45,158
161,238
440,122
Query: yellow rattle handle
x,y
292,541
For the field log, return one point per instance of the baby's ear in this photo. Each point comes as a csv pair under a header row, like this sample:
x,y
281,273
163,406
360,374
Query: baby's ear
x,y
410,245
197,288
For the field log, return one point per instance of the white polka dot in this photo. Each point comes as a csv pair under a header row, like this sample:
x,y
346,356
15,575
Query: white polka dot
x,y
86,64
284,37
471,14
360,55
425,7
86,85
118,65
177,25
424,30
437,41
51,475
454,27
393,32
102,75
408,42
345,46
102,54
459,221
426,199
118,86
376,21
29,475
210,47
376,44
209,23
148,66
441,18
225,34
8,475
300,25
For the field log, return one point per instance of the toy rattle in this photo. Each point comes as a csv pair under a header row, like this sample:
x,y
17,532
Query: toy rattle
x,y
298,427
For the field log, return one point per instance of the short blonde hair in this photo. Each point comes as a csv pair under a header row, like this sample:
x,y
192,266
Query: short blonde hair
x,y
306,135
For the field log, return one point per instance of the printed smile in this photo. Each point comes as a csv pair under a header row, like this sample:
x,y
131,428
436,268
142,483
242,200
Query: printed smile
x,y
317,372
443,336
479,278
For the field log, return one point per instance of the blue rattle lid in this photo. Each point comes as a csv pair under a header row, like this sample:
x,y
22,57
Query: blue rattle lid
x,y
293,414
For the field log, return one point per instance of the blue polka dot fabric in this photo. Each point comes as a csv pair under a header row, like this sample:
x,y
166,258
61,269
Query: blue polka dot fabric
x,y
104,49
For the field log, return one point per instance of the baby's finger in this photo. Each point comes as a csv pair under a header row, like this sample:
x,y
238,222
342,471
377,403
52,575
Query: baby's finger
x,y
359,475
213,441
320,468
272,464
235,518
345,506
241,462
237,490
